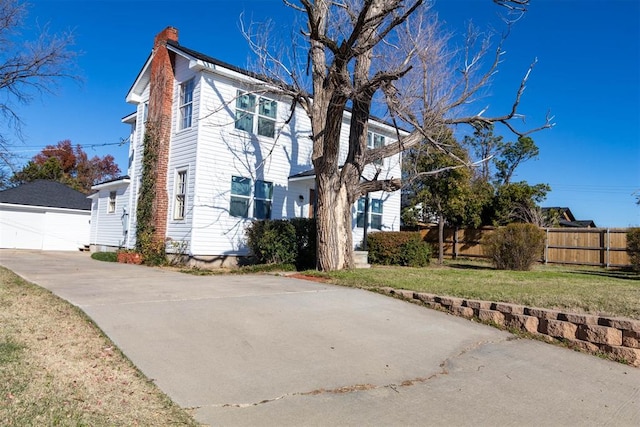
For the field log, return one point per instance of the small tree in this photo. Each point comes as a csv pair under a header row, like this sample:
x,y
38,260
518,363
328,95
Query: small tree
x,y
498,160
514,247
633,247
440,184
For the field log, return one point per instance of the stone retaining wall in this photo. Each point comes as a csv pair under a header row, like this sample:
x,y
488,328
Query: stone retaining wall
x,y
617,337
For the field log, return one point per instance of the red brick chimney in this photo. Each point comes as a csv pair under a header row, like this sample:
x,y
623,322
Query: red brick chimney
x,y
159,121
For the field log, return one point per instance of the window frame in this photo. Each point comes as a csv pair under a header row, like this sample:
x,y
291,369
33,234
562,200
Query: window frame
x,y
186,106
361,215
252,198
262,120
111,202
180,189
262,199
239,196
373,142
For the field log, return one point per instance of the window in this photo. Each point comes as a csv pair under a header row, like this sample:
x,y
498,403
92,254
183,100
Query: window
x,y
180,195
111,206
247,110
375,213
186,103
263,197
241,198
375,141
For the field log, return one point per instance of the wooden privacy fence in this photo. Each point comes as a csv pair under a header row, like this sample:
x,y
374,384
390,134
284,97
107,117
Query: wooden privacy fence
x,y
605,247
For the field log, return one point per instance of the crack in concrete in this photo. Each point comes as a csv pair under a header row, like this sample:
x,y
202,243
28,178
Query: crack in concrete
x,y
366,387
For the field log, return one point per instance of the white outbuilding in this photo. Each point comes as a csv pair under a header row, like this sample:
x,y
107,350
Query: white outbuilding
x,y
44,215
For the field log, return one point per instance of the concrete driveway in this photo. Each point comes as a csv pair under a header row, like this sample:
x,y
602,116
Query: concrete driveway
x,y
265,350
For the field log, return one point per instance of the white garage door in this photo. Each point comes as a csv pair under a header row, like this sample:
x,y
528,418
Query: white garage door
x,y
20,229
43,229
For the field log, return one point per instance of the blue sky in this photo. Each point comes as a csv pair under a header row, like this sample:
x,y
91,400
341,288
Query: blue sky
x,y
587,75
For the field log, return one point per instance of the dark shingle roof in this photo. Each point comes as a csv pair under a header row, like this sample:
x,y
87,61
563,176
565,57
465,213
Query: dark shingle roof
x,y
46,193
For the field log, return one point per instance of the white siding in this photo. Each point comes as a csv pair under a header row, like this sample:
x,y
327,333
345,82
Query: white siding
x,y
182,155
110,228
224,151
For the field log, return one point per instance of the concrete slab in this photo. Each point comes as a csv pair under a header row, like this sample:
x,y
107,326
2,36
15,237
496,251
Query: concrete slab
x,y
266,350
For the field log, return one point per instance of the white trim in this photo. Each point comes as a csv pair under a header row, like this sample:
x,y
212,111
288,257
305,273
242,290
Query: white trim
x,y
104,185
302,178
42,208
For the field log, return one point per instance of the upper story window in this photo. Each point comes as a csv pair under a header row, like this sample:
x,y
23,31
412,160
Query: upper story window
x,y
374,216
374,141
179,205
186,103
111,205
256,114
241,198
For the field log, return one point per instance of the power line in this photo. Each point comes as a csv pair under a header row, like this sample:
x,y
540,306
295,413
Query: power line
x,y
38,148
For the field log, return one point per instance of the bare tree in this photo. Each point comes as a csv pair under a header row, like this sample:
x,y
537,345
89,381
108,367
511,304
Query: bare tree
x,y
27,68
388,56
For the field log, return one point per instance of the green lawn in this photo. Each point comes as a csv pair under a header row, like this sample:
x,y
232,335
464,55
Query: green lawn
x,y
579,289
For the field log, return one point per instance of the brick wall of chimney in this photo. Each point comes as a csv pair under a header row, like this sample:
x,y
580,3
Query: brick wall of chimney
x,y
160,108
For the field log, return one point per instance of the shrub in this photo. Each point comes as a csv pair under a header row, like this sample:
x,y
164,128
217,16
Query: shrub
x,y
515,246
633,247
272,241
398,248
305,242
105,256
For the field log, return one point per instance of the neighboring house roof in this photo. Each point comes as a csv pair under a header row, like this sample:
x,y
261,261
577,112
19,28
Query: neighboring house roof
x,y
44,193
566,218
564,213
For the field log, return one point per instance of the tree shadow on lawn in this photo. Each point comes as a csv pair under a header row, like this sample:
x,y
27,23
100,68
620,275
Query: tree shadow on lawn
x,y
461,266
614,274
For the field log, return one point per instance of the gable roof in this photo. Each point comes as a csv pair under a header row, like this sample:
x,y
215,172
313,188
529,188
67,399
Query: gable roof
x,y
44,193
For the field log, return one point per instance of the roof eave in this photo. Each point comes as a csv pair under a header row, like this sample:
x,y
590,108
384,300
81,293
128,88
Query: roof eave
x,y
134,96
110,184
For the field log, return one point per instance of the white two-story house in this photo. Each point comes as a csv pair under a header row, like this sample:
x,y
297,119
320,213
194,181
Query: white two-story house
x,y
232,157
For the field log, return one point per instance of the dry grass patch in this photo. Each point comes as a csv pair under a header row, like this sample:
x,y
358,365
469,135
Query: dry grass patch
x,y
58,368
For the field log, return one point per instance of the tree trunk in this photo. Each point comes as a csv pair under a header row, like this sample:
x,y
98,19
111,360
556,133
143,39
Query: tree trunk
x,y
440,239
333,221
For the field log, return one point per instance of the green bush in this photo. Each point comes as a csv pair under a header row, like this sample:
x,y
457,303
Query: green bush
x,y
105,256
633,247
305,242
514,247
272,241
290,241
398,248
